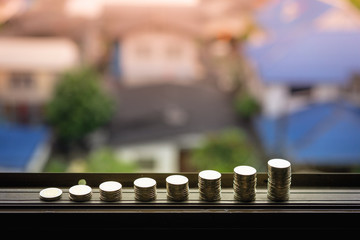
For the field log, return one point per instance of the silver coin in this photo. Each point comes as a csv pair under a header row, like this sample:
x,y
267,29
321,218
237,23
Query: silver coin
x,y
177,180
110,186
144,182
110,191
80,193
279,163
145,189
279,180
209,183
177,187
244,183
210,175
50,194
244,170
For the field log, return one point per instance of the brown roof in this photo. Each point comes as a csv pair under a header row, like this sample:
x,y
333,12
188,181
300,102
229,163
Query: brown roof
x,y
118,20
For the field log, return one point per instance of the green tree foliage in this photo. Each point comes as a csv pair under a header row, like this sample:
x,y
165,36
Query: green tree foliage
x,y
79,105
224,151
245,105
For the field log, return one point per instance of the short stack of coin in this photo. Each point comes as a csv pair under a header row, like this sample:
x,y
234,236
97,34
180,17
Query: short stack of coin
x,y
244,183
145,189
80,193
177,187
279,180
209,185
110,191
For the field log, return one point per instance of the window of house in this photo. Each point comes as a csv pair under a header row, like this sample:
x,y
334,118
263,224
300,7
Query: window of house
x,y
300,91
21,81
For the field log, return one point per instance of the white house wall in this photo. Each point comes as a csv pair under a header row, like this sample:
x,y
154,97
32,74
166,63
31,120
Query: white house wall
x,y
164,154
153,56
275,100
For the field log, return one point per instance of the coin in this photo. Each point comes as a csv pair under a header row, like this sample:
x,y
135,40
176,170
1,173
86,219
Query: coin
x,y
177,187
145,189
209,183
244,183
80,193
110,191
50,194
279,180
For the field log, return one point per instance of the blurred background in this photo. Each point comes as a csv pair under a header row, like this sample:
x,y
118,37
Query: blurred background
x,y
179,85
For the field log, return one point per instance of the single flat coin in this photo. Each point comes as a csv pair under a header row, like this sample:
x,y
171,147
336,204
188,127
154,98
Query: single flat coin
x,y
80,190
279,163
110,186
177,180
210,174
144,182
50,194
245,170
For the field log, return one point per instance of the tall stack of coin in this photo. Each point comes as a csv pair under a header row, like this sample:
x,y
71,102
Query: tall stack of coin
x,y
80,193
244,183
145,189
210,185
110,191
177,187
279,180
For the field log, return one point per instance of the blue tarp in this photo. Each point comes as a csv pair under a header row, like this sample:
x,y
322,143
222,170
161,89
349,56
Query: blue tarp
x,y
322,134
18,144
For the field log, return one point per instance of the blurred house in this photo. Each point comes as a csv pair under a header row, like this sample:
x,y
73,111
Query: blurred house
x,y
308,54
157,125
29,68
307,66
152,46
154,58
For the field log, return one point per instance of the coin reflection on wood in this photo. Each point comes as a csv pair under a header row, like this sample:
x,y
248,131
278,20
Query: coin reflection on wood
x,y
145,189
244,183
177,187
279,180
209,182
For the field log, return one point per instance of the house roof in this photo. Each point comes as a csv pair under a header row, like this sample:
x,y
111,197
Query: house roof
x,y
134,17
18,145
300,52
326,57
321,134
165,111
37,53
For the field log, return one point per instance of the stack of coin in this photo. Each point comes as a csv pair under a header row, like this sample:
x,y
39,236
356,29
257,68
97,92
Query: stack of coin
x,y
177,187
244,183
80,193
145,189
210,185
279,180
110,191
50,194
